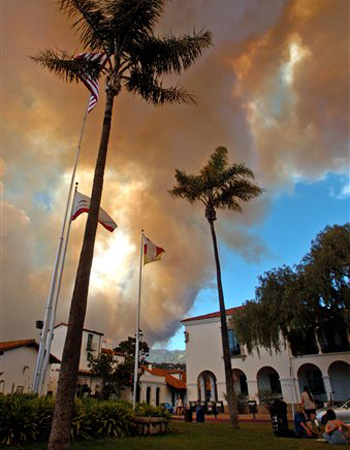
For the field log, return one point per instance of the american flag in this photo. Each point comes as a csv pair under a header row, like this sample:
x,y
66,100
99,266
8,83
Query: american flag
x,y
92,83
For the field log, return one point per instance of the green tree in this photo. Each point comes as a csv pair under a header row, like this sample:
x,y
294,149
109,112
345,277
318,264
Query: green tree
x,y
128,348
294,304
219,186
125,370
137,60
104,366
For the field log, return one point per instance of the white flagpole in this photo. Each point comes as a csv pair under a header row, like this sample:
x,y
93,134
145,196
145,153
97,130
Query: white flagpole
x,y
138,315
49,305
55,302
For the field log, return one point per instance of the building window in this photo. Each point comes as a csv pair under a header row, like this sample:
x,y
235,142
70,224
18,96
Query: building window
x,y
89,342
234,346
157,396
148,395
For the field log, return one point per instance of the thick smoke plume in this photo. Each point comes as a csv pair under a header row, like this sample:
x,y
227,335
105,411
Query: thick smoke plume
x,y
273,90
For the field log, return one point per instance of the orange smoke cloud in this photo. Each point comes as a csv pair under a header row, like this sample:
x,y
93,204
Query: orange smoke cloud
x,y
273,90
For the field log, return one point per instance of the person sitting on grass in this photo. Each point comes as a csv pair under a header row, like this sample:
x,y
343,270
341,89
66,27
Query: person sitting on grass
x,y
303,427
336,431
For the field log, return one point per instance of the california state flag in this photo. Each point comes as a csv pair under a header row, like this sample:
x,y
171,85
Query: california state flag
x,y
81,203
151,252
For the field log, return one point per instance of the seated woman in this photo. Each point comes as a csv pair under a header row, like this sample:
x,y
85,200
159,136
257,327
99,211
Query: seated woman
x,y
336,432
303,427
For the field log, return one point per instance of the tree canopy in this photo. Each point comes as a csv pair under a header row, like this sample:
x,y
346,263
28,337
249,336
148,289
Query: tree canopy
x,y
137,59
219,185
310,299
125,371
116,375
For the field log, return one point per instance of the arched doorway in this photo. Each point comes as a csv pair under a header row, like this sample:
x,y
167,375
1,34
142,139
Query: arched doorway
x,y
339,377
240,384
310,375
269,385
207,390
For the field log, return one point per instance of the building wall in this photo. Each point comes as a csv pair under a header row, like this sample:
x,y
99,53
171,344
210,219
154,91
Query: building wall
x,y
18,367
60,337
204,355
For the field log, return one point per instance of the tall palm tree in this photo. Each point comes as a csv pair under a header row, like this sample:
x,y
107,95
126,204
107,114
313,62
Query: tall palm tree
x,y
137,59
219,186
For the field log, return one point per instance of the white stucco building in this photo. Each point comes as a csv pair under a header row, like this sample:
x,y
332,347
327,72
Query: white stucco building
x,y
17,365
327,373
91,344
162,386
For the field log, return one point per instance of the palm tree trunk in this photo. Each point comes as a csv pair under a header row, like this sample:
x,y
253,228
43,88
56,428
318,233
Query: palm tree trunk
x,y
63,413
224,335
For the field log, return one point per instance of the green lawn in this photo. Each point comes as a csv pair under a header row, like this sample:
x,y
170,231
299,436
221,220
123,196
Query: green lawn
x,y
201,436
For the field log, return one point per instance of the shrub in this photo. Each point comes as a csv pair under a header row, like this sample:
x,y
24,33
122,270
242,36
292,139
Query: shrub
x,y
110,418
27,418
17,421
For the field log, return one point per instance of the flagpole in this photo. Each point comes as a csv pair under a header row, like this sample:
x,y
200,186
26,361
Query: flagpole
x,y
55,301
49,305
138,315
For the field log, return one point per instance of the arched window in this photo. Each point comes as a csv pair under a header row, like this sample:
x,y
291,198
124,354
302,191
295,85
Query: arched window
x,y
207,390
148,395
157,396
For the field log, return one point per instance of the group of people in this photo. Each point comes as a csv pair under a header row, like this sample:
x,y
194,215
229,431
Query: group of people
x,y
305,423
336,432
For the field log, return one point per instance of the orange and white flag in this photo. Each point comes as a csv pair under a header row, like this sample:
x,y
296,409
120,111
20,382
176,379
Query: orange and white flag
x,y
151,252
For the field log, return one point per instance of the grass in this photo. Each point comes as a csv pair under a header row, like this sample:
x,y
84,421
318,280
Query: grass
x,y
200,436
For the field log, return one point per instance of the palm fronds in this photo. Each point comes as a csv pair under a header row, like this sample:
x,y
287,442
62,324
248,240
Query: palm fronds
x,y
170,54
151,90
66,66
218,185
91,24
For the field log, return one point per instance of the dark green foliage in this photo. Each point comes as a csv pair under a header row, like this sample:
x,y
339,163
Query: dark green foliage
x,y
294,302
128,348
124,372
219,186
170,366
81,423
147,410
123,30
104,365
26,419
110,419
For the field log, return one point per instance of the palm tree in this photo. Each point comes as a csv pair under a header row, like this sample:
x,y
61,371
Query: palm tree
x,y
219,186
137,59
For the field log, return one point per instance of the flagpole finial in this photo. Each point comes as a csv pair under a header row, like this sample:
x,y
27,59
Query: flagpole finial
x,y
76,184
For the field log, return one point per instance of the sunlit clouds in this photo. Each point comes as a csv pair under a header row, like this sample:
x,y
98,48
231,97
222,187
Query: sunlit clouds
x,y
273,90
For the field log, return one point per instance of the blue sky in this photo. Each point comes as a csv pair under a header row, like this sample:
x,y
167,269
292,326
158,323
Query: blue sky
x,y
270,92
293,221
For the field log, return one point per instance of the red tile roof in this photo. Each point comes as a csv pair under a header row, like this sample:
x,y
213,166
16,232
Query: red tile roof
x,y
169,378
111,352
175,382
85,329
229,312
11,345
